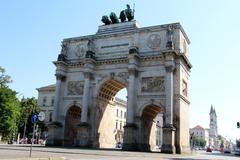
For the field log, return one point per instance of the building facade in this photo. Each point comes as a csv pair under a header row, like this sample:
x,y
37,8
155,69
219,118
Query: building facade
x,y
150,62
46,97
199,131
120,119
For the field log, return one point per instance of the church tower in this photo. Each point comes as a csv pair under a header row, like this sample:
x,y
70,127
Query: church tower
x,y
213,130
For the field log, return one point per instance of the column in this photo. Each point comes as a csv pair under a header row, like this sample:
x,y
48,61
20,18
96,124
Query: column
x,y
83,135
169,95
59,78
168,143
131,94
130,139
55,130
85,100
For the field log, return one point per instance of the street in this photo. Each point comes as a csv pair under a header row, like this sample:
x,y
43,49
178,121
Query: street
x,y
20,152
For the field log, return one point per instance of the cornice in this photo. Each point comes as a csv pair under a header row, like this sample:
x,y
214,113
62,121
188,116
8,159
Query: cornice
x,y
178,96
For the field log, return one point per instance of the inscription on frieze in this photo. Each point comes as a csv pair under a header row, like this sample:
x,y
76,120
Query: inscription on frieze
x,y
75,88
153,84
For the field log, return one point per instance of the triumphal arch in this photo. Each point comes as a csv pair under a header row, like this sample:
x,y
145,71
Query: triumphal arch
x,y
150,62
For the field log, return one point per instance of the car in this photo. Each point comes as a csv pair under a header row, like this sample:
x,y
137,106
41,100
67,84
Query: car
x,y
119,145
227,151
209,149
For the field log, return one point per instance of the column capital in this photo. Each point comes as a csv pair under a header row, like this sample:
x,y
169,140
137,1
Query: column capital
x,y
133,71
87,74
170,68
60,77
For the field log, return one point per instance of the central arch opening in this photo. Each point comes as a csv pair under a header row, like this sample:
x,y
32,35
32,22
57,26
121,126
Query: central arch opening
x,y
111,112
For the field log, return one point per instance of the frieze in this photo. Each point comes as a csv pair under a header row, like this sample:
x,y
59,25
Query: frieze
x,y
75,88
153,84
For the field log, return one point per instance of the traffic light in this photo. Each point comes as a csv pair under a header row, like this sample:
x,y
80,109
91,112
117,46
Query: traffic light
x,y
238,125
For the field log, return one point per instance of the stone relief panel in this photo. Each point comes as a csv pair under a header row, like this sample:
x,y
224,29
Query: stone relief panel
x,y
152,84
154,41
123,75
75,88
80,50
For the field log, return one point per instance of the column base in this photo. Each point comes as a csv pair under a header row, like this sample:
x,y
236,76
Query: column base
x,y
182,149
55,138
168,139
83,136
168,149
129,139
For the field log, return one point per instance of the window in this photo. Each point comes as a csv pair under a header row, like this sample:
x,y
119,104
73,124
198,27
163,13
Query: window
x,y
50,117
52,102
120,125
121,114
116,125
184,88
44,101
117,113
125,114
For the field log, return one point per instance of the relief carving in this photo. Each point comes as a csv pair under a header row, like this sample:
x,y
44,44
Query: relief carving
x,y
80,50
123,75
154,41
153,84
75,88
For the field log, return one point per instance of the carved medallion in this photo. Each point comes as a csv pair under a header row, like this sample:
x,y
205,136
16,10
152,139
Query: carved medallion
x,y
154,41
153,84
80,50
75,88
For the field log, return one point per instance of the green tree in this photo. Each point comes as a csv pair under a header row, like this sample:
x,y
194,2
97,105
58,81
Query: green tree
x,y
4,79
9,111
9,107
29,106
199,142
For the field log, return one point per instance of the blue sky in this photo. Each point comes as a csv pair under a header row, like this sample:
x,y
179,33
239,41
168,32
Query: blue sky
x,y
31,33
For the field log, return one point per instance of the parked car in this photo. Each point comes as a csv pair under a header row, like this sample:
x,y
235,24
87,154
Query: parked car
x,y
227,151
119,145
209,149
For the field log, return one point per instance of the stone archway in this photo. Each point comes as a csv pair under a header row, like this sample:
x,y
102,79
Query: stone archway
x,y
148,127
153,62
71,126
105,113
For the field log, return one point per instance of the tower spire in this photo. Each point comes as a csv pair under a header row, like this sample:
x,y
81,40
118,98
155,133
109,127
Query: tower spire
x,y
211,110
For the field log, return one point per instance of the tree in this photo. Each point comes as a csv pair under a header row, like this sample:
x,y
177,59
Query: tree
x,y
9,111
29,106
4,79
199,142
9,107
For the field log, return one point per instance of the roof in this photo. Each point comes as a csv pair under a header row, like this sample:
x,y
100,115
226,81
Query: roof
x,y
198,127
48,87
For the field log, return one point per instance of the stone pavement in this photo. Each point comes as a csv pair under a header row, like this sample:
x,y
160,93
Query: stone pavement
x,y
17,152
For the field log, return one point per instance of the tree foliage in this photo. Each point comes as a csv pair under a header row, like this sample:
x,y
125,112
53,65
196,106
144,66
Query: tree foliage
x,y
9,111
199,142
29,106
4,79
